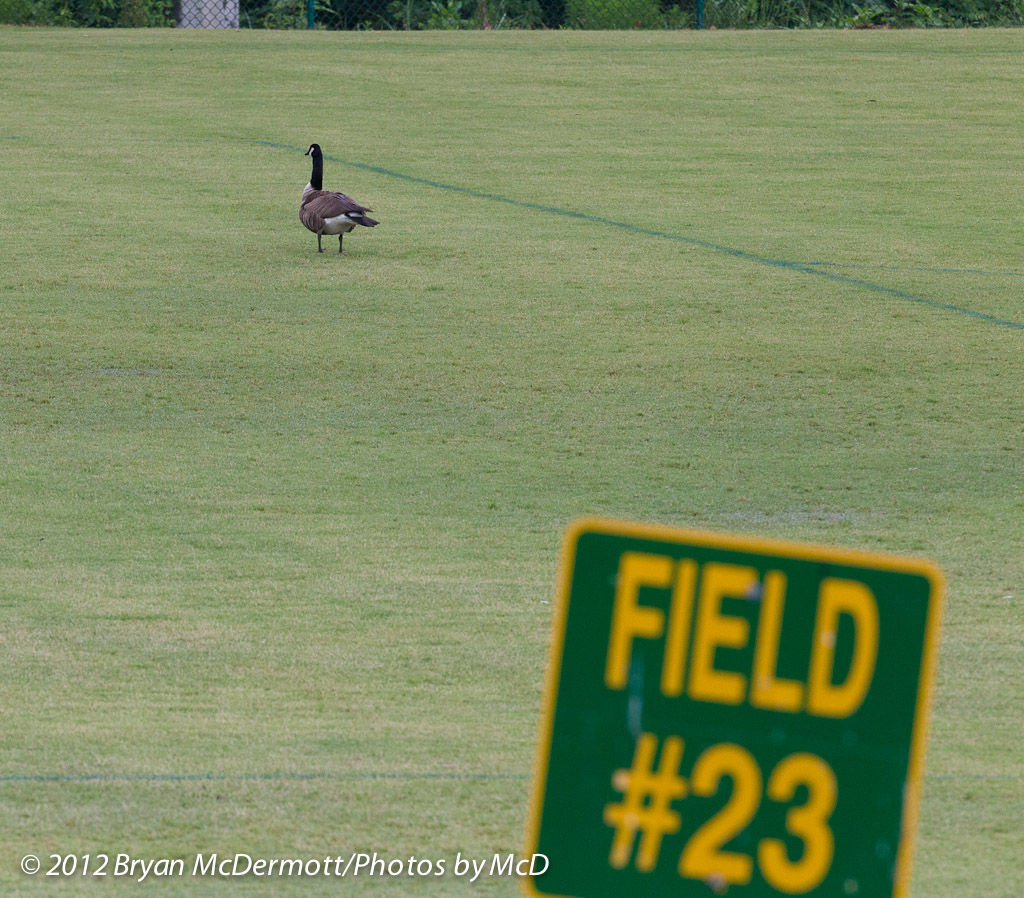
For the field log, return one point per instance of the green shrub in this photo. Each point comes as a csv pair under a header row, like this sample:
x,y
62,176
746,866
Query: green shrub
x,y
509,14
281,14
87,13
614,14
20,12
447,16
676,17
757,14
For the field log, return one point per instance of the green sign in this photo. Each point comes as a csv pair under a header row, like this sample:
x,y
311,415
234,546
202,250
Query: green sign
x,y
726,714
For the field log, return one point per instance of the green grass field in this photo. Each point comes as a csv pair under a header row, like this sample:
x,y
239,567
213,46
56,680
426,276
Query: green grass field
x,y
279,530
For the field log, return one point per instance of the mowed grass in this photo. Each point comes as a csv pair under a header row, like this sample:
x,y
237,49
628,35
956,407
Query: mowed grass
x,y
279,530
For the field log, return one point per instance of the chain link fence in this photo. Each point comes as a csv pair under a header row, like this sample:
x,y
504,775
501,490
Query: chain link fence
x,y
207,13
407,15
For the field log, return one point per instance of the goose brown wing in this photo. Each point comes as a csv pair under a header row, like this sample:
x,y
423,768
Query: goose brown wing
x,y
329,205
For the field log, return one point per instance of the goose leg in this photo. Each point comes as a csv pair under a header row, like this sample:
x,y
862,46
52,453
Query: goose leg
x,y
319,248
339,242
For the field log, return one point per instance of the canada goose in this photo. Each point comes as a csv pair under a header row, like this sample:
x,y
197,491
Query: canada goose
x,y
324,212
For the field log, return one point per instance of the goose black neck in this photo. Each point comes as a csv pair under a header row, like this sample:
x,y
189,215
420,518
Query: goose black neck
x,y
316,180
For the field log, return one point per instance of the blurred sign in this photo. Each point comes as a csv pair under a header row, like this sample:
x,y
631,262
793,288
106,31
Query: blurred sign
x,y
727,714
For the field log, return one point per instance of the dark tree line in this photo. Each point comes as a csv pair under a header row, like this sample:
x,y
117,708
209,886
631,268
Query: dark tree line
x,y
499,14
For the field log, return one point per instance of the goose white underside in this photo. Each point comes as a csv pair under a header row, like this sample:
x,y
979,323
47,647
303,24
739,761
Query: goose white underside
x,y
340,224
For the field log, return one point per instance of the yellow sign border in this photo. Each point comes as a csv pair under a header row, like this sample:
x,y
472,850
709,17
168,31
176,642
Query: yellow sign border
x,y
760,545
